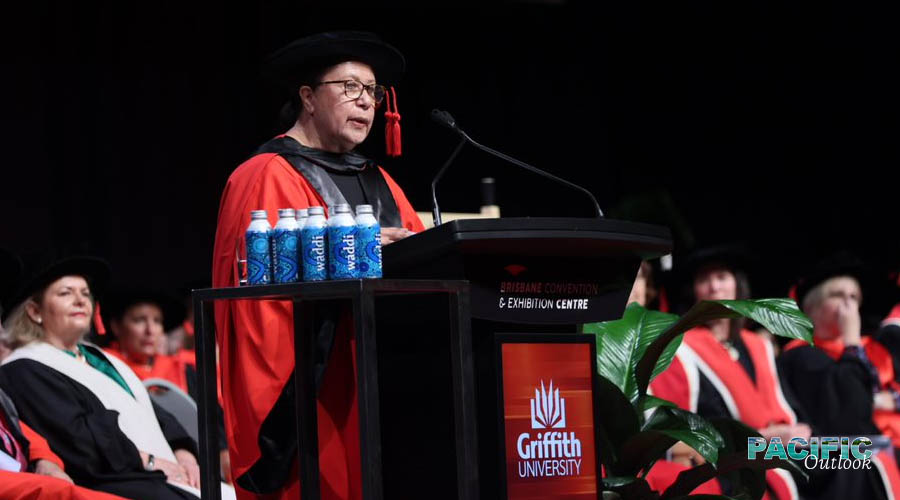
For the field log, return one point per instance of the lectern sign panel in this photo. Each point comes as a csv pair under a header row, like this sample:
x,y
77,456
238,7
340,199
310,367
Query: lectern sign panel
x,y
548,420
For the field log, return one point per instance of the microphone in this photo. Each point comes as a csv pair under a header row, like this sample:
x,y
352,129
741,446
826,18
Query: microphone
x,y
444,118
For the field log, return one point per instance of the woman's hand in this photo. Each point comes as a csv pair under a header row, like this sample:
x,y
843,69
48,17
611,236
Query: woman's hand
x,y
48,468
174,472
884,400
189,462
786,432
683,454
392,234
849,323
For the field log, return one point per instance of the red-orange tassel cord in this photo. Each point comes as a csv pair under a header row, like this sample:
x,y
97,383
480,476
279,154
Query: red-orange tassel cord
x,y
98,320
392,127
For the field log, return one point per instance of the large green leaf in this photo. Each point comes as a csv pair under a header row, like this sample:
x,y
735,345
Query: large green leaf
x,y
648,402
747,477
782,317
663,429
618,421
622,343
688,427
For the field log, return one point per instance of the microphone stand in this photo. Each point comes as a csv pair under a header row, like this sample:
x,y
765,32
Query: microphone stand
x,y
436,212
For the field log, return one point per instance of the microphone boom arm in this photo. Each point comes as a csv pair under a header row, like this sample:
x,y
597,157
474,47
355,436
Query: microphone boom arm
x,y
533,170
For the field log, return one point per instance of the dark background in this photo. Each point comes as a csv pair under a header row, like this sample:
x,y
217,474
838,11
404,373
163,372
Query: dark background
x,y
772,124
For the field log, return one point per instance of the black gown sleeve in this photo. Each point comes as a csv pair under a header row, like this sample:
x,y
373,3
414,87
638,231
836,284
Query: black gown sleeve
x,y
835,396
84,434
174,432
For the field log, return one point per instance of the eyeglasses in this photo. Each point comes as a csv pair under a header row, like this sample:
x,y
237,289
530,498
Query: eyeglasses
x,y
354,89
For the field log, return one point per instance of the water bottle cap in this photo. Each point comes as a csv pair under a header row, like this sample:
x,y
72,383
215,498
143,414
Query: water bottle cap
x,y
363,209
286,212
316,210
301,212
258,214
341,208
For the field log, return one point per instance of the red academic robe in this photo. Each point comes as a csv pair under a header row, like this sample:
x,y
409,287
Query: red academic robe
x,y
25,485
756,404
28,486
256,339
893,318
169,368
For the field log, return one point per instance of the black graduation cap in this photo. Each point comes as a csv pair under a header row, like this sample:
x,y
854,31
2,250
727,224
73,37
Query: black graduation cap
x,y
879,294
44,268
118,300
293,62
733,256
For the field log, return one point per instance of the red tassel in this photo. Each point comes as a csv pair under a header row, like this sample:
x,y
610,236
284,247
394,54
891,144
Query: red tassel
x,y
663,300
392,137
398,144
98,320
388,128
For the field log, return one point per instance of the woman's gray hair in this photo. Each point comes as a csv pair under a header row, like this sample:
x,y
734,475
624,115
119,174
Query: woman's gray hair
x,y
816,295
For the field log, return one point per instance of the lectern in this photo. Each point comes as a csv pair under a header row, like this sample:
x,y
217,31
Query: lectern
x,y
476,381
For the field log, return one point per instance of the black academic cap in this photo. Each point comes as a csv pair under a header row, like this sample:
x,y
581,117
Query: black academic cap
x,y
117,300
879,293
733,256
841,263
290,64
42,269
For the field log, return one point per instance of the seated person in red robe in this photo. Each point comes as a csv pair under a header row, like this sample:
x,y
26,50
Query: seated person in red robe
x,y
138,319
724,370
335,82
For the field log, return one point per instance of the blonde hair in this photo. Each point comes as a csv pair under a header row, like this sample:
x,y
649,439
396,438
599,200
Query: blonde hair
x,y
19,328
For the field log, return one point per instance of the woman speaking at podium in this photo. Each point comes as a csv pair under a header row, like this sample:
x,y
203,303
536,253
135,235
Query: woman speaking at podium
x,y
337,83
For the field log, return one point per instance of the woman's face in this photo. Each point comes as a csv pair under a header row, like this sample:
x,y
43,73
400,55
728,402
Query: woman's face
x,y
342,123
139,331
840,296
66,309
715,283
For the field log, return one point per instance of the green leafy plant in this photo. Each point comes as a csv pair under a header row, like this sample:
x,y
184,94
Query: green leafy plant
x,y
631,352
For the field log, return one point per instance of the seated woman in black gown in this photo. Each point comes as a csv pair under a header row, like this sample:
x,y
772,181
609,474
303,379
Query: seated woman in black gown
x,y
91,408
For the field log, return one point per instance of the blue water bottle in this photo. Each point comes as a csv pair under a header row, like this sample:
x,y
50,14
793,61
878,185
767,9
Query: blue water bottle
x,y
302,214
368,242
259,254
285,237
313,241
342,244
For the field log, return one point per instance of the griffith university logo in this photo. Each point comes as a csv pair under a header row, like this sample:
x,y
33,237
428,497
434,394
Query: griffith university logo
x,y
552,453
547,409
